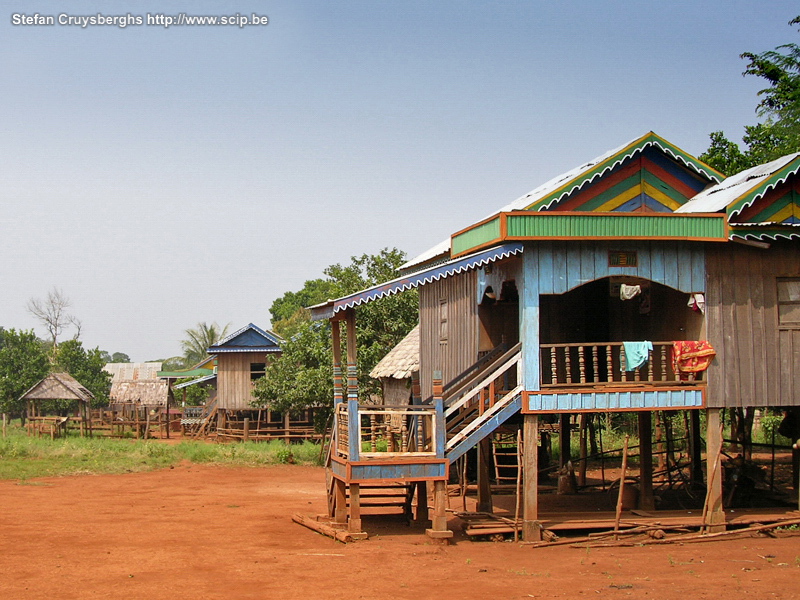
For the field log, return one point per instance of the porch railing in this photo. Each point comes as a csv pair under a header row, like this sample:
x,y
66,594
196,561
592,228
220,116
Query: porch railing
x,y
570,365
369,432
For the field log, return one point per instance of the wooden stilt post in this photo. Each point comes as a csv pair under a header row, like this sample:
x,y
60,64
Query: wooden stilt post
x,y
421,515
484,484
246,430
584,448
715,515
646,500
354,509
531,528
439,530
564,439
695,447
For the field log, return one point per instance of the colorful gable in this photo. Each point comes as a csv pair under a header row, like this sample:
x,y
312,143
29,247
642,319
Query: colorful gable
x,y
646,175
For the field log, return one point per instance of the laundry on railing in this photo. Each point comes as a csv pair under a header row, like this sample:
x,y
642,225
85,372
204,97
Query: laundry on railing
x,y
636,354
690,356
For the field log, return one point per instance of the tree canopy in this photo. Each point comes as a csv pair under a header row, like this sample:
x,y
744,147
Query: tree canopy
x,y
86,366
302,376
778,133
23,362
199,339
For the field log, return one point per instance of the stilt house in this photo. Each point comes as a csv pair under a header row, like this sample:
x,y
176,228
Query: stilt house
x,y
543,308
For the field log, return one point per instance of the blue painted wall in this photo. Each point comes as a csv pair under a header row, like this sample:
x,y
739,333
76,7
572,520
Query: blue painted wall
x,y
558,267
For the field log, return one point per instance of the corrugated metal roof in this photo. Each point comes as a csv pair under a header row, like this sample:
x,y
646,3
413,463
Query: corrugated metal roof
x,y
152,392
402,360
739,191
556,189
328,309
133,371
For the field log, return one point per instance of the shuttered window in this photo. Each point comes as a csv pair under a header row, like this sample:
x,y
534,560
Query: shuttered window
x,y
789,303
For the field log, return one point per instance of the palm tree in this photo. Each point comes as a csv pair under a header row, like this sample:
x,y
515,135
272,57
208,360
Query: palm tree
x,y
199,338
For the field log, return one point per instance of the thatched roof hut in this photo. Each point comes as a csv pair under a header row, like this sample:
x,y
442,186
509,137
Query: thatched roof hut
x,y
396,369
137,383
58,386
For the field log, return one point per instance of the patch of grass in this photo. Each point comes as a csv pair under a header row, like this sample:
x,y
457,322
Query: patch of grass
x,y
23,457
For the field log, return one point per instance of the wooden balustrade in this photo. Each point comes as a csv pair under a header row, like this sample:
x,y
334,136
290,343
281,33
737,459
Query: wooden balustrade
x,y
570,365
388,431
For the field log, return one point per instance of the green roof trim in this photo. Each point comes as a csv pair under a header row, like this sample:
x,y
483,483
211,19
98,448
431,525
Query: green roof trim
x,y
478,235
189,373
650,139
532,225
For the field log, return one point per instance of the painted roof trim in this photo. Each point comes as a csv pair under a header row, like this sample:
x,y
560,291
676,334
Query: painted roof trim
x,y
329,309
774,231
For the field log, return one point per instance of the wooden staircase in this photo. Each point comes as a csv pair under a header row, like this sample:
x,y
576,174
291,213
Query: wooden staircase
x,y
482,402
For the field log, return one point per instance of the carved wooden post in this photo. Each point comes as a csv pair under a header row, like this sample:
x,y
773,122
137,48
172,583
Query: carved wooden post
x,y
439,529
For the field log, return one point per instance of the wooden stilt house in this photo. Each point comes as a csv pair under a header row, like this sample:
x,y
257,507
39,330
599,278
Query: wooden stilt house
x,y
608,288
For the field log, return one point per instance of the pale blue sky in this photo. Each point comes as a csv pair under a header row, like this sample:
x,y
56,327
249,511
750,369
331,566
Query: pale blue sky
x,y
162,177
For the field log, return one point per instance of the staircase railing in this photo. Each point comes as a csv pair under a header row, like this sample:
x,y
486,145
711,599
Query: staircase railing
x,y
479,408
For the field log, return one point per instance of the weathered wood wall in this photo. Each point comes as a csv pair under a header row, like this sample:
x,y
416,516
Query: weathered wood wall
x,y
233,378
757,363
455,296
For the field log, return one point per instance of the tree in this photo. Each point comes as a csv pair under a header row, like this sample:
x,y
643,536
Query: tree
x,y
23,362
52,313
779,133
86,366
117,357
199,339
302,376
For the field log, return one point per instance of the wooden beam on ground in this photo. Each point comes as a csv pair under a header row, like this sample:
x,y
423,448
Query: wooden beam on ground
x,y
325,529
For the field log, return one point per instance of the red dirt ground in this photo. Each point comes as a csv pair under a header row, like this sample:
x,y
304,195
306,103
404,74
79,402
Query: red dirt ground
x,y
207,532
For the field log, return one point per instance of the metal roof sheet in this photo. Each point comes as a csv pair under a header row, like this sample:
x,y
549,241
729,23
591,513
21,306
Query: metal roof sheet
x,y
194,382
328,309
727,193
557,188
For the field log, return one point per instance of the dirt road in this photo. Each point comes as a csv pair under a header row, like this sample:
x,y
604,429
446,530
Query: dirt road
x,y
207,532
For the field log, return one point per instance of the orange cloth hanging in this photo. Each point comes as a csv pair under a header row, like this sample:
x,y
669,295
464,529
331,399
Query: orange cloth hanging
x,y
691,356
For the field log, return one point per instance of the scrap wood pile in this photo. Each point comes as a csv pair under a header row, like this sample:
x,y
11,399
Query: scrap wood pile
x,y
631,532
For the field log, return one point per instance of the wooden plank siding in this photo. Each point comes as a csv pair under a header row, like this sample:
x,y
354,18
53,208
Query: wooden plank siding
x,y
757,363
233,378
460,350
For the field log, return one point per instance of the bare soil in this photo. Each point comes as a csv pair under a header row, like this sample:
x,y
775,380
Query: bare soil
x,y
208,532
